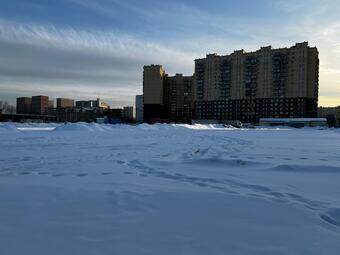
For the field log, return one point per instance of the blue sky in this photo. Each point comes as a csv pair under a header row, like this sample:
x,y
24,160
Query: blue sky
x,y
97,48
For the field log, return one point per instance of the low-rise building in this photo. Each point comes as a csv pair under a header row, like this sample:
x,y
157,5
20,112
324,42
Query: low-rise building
x,y
294,122
92,104
332,114
128,113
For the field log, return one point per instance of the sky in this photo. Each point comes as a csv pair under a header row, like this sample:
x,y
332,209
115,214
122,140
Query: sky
x,y
87,49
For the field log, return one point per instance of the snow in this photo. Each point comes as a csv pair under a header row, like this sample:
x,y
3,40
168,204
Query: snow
x,y
168,189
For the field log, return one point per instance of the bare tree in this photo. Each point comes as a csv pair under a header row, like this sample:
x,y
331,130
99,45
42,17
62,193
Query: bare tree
x,y
7,108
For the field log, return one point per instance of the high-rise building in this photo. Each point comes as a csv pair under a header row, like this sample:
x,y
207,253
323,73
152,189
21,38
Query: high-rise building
x,y
24,105
65,103
167,97
178,98
153,85
244,86
268,83
40,104
139,109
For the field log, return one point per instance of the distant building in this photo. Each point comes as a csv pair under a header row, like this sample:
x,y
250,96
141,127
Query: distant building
x,y
167,98
178,98
116,113
50,104
331,113
65,103
294,122
24,105
92,104
104,105
245,86
153,91
73,114
128,113
267,83
88,104
40,104
139,109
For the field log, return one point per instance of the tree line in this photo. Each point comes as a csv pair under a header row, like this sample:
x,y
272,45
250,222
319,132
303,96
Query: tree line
x,y
5,107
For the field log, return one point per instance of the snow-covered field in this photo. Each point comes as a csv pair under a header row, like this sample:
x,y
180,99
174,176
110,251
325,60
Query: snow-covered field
x,y
168,189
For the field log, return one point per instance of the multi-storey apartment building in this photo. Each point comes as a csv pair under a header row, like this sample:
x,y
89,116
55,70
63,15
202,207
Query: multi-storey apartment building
x,y
167,97
40,104
153,92
245,86
268,83
24,105
178,97
65,103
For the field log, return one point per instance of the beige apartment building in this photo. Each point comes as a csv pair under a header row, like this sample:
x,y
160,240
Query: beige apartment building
x,y
167,97
245,86
268,83
153,84
266,73
153,92
65,103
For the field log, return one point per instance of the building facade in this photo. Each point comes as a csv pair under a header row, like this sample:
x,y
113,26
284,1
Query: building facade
x,y
167,98
244,86
332,114
88,104
268,83
65,103
40,104
24,105
139,109
178,98
127,113
153,92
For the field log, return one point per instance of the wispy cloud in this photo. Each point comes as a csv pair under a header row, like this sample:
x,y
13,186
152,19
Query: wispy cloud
x,y
107,60
56,58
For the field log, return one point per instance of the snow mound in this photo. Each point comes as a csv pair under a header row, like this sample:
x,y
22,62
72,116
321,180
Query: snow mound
x,y
207,126
92,127
44,129
304,169
4,128
157,127
332,216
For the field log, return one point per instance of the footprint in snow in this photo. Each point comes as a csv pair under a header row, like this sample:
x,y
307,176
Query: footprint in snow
x,y
58,175
43,173
81,175
331,216
106,173
25,173
128,173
